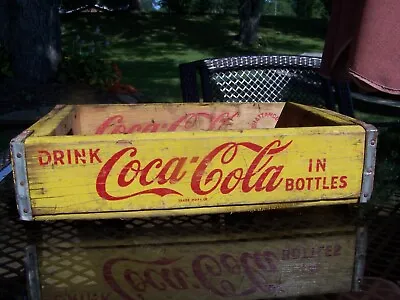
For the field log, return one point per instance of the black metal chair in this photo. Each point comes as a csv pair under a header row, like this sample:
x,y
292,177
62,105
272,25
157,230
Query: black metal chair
x,y
276,78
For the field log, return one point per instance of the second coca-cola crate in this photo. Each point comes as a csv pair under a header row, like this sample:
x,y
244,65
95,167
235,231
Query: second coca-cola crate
x,y
122,161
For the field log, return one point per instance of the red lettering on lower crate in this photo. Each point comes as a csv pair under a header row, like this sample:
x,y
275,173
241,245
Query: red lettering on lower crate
x,y
311,252
258,270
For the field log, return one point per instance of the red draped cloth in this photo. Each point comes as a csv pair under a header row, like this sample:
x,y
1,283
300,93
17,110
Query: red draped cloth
x,y
363,44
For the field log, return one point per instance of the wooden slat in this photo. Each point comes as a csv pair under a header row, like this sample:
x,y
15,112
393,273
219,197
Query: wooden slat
x,y
106,119
192,211
297,115
58,122
171,175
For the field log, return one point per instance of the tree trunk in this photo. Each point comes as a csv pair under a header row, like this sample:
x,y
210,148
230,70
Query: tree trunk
x,y
34,40
249,13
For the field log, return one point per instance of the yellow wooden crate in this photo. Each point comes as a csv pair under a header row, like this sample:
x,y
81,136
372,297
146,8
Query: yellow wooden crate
x,y
122,161
311,253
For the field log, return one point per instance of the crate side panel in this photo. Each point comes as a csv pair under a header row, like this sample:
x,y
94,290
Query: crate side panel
x,y
75,175
44,125
327,114
193,211
58,122
297,115
175,117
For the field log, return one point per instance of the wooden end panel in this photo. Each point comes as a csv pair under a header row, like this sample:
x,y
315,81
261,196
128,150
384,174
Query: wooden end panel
x,y
115,119
58,122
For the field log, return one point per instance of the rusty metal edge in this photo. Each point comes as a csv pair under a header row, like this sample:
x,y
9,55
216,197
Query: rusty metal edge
x,y
21,184
359,257
32,273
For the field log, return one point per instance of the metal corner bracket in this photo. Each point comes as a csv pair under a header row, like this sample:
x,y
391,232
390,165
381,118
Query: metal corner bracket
x,y
359,257
21,184
32,273
371,140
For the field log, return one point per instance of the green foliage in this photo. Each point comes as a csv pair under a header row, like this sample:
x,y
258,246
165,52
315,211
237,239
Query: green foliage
x,y
147,5
226,6
322,9
87,62
299,8
280,7
327,5
199,6
74,4
305,9
5,63
176,6
114,4
149,46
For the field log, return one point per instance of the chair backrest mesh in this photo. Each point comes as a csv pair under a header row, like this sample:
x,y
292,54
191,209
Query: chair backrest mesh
x,y
266,79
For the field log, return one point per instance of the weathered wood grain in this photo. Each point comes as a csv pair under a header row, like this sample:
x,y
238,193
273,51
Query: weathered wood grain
x,y
298,115
106,119
185,160
59,121
171,170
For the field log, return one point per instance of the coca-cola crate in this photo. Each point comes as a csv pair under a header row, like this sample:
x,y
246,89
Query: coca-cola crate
x,y
302,252
123,161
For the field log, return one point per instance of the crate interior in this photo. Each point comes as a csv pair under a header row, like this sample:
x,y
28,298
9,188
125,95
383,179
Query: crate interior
x,y
152,118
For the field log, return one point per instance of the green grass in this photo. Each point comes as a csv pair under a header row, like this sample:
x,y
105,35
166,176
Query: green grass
x,y
149,47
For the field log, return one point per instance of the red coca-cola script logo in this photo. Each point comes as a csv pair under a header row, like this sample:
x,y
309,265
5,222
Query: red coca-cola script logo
x,y
118,123
259,174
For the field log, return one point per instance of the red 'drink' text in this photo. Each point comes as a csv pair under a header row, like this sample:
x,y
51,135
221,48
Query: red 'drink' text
x,y
69,157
